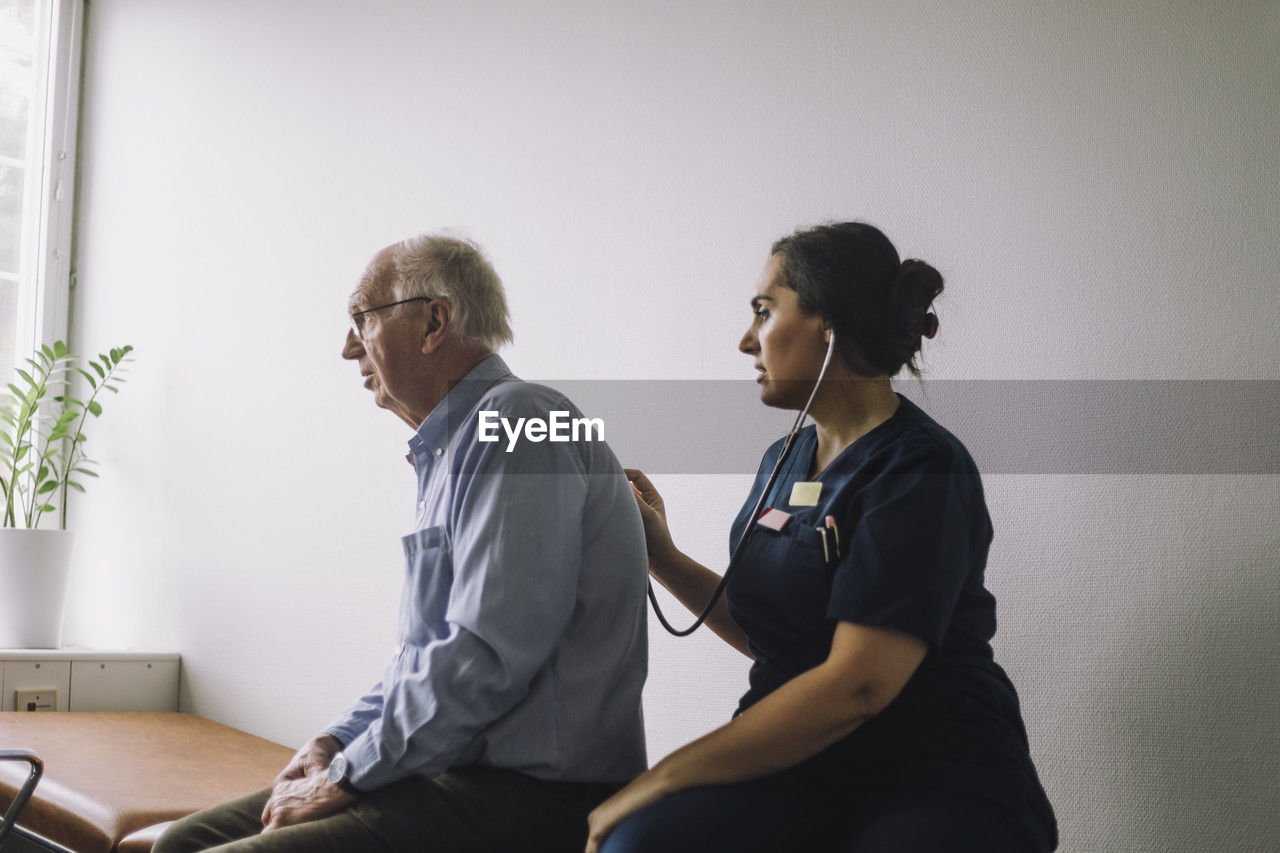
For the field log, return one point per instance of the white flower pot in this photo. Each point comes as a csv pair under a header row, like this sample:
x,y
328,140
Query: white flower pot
x,y
33,587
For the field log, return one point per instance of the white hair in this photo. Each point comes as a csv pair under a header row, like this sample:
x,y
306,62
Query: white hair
x,y
438,266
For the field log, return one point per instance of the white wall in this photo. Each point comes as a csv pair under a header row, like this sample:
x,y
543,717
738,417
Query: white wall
x,y
1098,182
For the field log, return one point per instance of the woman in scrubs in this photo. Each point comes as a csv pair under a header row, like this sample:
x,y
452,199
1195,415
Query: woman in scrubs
x,y
876,718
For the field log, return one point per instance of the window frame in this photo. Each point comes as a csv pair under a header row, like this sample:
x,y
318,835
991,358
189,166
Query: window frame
x,y
44,303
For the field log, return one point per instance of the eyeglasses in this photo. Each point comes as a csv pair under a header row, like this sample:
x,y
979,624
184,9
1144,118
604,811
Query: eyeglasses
x,y
357,317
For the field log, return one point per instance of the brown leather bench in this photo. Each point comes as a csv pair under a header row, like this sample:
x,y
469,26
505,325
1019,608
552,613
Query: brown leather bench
x,y
110,778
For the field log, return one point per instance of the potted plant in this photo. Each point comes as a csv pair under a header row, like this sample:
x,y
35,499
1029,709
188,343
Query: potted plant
x,y
42,459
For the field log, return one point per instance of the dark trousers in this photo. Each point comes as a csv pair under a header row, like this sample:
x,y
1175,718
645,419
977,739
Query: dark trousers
x,y
784,813
467,809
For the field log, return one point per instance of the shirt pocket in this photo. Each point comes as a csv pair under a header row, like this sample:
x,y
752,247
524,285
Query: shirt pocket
x,y
428,579
785,578
807,575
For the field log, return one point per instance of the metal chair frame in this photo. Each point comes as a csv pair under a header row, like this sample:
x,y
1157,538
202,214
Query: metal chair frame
x,y
13,838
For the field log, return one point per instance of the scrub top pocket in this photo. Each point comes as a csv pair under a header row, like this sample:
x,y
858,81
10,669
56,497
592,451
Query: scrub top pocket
x,y
808,578
787,576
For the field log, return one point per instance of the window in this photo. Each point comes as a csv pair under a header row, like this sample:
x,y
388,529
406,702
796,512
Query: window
x,y
39,77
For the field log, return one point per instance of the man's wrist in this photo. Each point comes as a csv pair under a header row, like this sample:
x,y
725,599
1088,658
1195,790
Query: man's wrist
x,y
346,787
329,741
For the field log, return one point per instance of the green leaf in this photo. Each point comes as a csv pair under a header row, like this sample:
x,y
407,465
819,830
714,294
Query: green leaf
x,y
46,508
98,370
113,389
43,472
87,376
73,484
59,349
115,356
26,376
46,487
106,362
86,472
95,408
4,436
22,451
47,353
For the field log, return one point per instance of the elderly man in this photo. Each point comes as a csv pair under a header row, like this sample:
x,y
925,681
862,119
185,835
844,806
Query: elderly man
x,y
512,705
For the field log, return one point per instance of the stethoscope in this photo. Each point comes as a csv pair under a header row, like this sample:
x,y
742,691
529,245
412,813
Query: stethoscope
x,y
755,513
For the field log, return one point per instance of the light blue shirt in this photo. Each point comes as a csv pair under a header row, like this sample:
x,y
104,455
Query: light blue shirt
x,y
522,621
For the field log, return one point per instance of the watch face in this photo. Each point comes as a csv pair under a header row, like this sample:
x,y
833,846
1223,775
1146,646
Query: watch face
x,y
338,768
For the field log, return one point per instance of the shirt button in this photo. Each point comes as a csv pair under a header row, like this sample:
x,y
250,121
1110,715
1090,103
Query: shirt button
x,y
439,451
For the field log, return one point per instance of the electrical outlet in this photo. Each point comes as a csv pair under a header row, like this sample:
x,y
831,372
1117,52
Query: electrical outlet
x,y
35,700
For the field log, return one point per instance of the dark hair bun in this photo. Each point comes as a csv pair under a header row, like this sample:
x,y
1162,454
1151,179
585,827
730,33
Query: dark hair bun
x,y
914,289
917,284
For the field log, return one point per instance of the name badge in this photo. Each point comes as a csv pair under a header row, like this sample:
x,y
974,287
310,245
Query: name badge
x,y
774,519
805,494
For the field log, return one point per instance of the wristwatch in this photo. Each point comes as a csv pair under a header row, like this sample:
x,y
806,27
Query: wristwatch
x,y
339,774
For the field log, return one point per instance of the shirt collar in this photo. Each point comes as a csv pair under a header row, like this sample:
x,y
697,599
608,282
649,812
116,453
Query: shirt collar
x,y
435,430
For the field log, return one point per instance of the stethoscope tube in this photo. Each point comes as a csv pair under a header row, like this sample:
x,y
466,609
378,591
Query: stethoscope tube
x,y
755,513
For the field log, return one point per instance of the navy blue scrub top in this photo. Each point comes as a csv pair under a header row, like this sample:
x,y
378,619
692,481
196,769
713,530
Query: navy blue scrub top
x,y
914,532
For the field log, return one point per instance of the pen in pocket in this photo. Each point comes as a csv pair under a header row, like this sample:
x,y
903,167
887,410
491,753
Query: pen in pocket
x,y
835,534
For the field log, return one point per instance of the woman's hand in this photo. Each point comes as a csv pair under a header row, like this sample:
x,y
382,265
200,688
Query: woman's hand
x,y
692,583
644,790
653,512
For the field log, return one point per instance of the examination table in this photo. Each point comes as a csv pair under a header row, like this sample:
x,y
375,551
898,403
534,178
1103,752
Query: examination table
x,y
112,780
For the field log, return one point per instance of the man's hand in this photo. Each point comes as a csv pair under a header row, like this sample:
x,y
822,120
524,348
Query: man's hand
x,y
314,757
301,800
303,792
